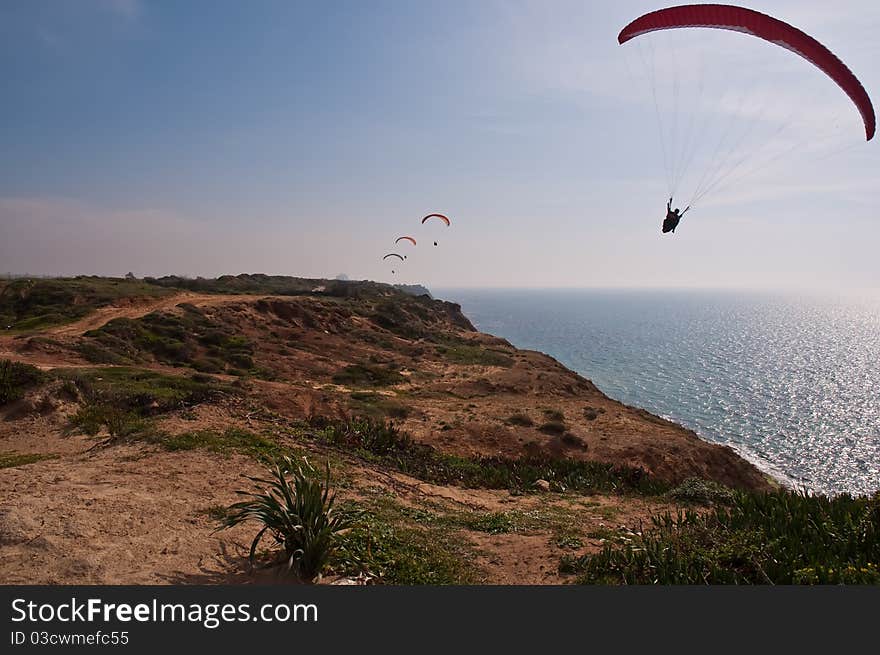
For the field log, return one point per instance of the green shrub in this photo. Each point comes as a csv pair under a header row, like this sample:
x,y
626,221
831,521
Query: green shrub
x,y
232,440
702,492
13,459
296,510
553,427
471,355
520,419
369,375
119,422
143,391
16,378
373,437
376,406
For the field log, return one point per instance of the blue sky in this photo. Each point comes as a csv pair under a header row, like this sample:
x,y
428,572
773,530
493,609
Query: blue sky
x,y
203,138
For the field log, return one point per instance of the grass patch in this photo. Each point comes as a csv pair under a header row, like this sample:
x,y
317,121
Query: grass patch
x,y
574,441
405,546
90,419
16,378
520,419
702,492
492,522
145,392
771,538
471,355
384,443
12,459
122,400
232,440
553,427
369,375
561,522
569,542
376,406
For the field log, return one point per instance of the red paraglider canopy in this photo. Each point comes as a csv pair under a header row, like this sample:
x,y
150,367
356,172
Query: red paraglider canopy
x,y
739,19
410,239
440,216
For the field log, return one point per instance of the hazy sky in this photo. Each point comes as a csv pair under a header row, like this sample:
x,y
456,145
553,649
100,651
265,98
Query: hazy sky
x,y
202,138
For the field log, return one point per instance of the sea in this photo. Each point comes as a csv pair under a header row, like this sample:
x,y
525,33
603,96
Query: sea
x,y
791,382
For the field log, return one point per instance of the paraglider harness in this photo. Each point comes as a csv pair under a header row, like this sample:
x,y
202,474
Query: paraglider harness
x,y
672,217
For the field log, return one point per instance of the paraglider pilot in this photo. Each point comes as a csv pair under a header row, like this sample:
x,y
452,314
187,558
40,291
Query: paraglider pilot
x,y
673,216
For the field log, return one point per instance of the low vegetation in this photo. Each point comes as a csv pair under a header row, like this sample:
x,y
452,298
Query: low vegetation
x,y
520,419
771,538
555,428
227,442
384,443
12,459
144,390
16,378
702,492
471,355
121,400
33,304
396,544
369,375
260,284
187,339
376,406
554,423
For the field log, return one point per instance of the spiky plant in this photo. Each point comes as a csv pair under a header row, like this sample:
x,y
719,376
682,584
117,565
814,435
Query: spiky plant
x,y
296,510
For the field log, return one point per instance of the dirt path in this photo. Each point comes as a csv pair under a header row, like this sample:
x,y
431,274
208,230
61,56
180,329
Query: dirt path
x,y
137,308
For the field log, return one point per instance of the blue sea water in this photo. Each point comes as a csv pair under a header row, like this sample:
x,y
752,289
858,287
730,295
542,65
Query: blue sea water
x,y
792,383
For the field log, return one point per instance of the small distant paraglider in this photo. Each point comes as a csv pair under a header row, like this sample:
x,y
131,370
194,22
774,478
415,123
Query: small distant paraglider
x,y
439,217
394,254
443,218
405,238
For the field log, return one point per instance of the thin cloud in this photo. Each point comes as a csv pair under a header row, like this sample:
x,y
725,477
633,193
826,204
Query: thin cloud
x,y
48,38
129,10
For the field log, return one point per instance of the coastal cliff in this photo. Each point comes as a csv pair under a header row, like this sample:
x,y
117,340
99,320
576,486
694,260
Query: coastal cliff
x,y
152,396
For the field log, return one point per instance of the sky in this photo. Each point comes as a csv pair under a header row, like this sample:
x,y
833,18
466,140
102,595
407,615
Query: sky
x,y
206,138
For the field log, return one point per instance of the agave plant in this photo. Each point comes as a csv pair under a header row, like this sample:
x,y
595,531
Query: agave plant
x,y
296,510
